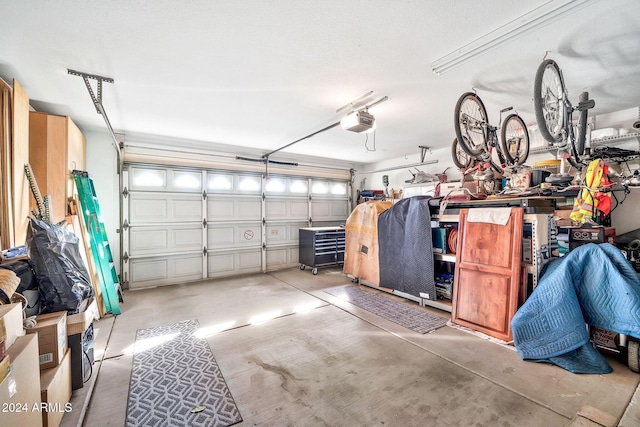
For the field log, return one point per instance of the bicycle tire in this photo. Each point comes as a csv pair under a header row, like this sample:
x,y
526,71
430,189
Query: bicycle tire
x,y
461,159
582,126
514,133
471,136
548,92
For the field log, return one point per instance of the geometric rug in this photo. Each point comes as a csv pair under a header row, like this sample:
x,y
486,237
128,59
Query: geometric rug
x,y
175,381
402,314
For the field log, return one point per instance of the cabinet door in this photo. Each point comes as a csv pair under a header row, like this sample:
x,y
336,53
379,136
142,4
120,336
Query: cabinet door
x,y
47,155
487,276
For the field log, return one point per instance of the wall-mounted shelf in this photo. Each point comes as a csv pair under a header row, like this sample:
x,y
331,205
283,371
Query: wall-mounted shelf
x,y
616,139
608,140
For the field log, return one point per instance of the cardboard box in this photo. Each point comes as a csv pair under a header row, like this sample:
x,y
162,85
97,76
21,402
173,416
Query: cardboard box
x,y
561,216
10,323
78,323
52,338
55,392
20,391
5,365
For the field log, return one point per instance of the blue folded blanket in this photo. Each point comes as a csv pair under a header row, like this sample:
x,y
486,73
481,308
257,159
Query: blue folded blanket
x,y
594,285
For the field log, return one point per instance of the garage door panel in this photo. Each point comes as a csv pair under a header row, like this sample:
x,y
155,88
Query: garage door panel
x,y
146,241
327,210
249,261
187,210
276,209
149,270
143,240
282,257
276,257
220,210
235,235
231,263
165,208
277,234
165,270
298,209
220,263
249,209
148,210
188,239
288,234
225,209
286,209
188,267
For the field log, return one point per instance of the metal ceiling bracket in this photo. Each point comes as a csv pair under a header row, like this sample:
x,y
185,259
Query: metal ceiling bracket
x,y
423,152
97,100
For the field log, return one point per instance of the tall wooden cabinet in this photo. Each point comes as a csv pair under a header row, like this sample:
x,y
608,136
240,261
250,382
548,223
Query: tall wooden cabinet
x,y
488,272
56,147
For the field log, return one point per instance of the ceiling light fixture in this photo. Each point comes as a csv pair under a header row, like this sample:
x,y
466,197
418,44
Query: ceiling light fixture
x,y
525,24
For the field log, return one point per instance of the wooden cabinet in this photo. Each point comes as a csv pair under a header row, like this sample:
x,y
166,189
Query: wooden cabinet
x,y
487,274
56,147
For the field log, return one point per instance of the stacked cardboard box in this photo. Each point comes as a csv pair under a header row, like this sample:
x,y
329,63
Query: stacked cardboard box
x,y
55,367
52,338
19,373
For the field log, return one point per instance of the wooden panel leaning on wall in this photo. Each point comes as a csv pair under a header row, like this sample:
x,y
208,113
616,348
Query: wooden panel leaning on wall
x,y
6,205
14,139
20,157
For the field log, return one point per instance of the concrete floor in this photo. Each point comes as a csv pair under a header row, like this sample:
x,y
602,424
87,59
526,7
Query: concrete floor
x,y
322,361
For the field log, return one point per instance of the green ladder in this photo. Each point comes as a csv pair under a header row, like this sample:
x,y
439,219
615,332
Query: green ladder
x,y
109,282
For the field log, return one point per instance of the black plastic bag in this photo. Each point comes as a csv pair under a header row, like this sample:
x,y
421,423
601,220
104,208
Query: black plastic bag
x,y
63,280
25,273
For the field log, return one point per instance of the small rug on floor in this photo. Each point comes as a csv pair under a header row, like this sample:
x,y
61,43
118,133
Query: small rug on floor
x,y
175,381
402,314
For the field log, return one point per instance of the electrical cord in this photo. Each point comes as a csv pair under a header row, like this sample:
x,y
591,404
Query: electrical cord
x,y
366,141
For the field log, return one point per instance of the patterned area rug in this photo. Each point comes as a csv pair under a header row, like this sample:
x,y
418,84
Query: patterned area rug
x,y
402,314
175,381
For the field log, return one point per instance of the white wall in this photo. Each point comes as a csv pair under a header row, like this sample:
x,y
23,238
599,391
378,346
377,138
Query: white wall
x,y
398,176
101,165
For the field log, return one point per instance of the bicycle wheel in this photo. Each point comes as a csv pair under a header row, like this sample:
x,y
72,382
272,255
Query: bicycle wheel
x,y
514,140
460,158
548,100
470,120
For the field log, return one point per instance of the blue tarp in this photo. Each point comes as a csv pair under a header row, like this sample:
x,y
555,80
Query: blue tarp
x,y
594,285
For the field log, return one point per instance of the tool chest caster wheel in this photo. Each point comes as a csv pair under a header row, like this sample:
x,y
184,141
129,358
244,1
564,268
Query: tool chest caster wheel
x,y
302,266
314,271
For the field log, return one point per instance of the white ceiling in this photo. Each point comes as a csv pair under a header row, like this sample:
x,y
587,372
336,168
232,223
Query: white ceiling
x,y
263,74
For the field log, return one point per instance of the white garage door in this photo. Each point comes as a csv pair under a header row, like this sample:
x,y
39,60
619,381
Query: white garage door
x,y
183,225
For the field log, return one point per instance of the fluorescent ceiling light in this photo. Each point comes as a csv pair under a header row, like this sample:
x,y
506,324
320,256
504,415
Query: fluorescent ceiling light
x,y
525,24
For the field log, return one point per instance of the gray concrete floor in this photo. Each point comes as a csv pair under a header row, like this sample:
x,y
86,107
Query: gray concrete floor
x,y
322,361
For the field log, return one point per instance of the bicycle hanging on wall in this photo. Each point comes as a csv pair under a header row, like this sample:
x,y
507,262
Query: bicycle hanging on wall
x,y
554,115
479,139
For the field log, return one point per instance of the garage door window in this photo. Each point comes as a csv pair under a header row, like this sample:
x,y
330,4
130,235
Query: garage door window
x,y
219,182
250,184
